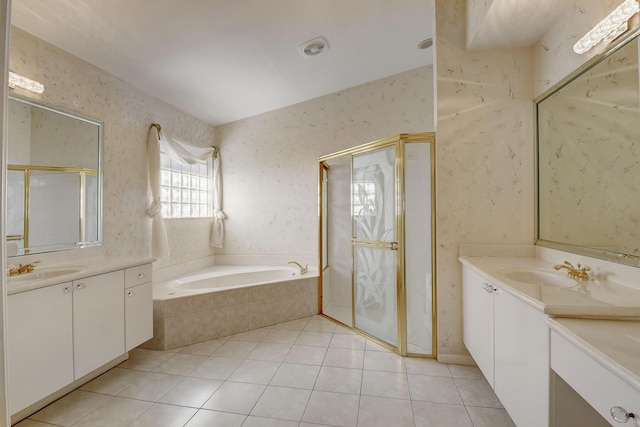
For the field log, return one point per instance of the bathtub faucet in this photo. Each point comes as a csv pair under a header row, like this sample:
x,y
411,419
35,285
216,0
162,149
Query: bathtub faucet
x,y
303,270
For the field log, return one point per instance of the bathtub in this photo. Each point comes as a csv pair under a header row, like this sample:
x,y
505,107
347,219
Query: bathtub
x,y
227,299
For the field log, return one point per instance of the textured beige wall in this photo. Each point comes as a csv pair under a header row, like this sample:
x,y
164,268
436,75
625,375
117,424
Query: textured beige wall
x,y
127,113
269,162
484,157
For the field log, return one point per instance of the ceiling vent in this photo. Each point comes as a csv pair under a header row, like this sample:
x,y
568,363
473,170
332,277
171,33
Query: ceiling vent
x,y
314,47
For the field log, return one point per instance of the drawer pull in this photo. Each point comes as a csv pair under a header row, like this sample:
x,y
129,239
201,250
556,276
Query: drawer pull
x,y
619,414
131,294
141,276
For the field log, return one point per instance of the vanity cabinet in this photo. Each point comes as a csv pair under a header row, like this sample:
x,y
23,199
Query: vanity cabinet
x,y
59,334
98,321
138,305
39,344
508,339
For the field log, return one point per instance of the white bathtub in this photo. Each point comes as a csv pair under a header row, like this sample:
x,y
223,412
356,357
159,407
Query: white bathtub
x,y
226,299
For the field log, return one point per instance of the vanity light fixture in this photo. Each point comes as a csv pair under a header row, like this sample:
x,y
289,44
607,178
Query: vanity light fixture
x,y
16,80
609,28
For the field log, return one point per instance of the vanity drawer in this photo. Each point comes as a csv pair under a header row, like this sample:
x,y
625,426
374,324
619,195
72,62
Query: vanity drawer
x,y
135,276
599,386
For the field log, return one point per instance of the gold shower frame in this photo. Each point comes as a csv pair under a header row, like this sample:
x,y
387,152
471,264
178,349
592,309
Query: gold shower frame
x,y
399,141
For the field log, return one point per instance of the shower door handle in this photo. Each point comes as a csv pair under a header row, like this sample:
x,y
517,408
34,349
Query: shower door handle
x,y
375,244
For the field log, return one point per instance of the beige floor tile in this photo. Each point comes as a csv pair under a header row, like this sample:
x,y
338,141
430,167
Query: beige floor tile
x,y
271,351
207,418
320,324
32,423
381,361
306,354
114,381
70,408
281,336
428,414
144,360
344,358
118,411
294,325
316,339
426,367
347,340
255,371
180,364
239,349
206,348
339,380
433,389
385,384
340,329
282,403
161,415
238,398
464,371
255,335
191,391
371,346
216,368
296,375
151,387
489,417
477,393
344,409
268,422
384,412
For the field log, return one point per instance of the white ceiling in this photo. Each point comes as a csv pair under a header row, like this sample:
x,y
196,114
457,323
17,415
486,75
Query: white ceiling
x,y
224,60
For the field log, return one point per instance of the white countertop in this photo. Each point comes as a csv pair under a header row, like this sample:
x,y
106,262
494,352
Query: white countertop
x,y
615,344
593,298
86,267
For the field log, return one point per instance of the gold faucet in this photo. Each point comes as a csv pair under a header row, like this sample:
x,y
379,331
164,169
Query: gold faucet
x,y
578,272
22,269
303,270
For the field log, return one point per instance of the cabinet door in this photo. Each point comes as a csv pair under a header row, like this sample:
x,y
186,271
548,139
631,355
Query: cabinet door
x,y
477,321
39,344
138,305
98,321
521,360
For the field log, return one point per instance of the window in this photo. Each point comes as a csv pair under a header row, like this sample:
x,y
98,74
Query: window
x,y
185,189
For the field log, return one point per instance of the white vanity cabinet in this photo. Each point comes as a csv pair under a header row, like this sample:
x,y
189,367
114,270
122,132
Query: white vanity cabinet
x,y
98,321
39,344
508,339
138,305
62,335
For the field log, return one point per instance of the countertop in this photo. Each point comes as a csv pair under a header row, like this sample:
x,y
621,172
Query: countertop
x,y
591,299
615,344
85,268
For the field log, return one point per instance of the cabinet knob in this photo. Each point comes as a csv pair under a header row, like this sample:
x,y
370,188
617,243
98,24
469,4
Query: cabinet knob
x,y
619,414
68,289
81,286
141,275
131,294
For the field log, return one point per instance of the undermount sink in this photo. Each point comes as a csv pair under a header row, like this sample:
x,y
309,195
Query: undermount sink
x,y
44,273
539,276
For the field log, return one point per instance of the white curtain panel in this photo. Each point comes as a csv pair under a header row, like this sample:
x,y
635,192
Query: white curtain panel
x,y
159,242
184,153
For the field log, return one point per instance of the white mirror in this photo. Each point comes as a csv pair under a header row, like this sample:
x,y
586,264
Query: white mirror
x,y
54,178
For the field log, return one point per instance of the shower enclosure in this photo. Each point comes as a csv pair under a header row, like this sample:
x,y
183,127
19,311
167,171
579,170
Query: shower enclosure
x,y
377,241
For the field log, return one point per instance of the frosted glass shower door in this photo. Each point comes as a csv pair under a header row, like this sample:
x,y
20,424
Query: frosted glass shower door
x,y
337,299
375,264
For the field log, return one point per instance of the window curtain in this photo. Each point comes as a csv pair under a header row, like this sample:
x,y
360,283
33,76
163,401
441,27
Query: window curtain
x,y
184,153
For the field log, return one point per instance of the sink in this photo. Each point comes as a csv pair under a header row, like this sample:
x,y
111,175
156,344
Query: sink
x,y
44,273
539,276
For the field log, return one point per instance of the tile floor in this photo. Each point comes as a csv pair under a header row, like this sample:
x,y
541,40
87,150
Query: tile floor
x,y
303,373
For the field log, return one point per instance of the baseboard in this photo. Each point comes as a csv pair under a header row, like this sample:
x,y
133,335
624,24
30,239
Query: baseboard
x,y
456,359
